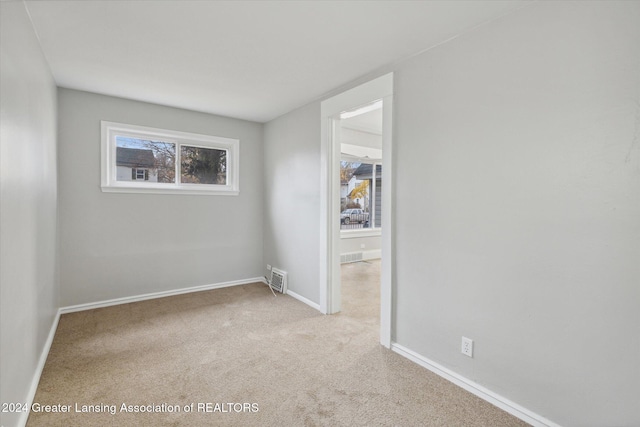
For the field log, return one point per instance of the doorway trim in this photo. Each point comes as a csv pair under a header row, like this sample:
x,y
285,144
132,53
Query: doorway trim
x,y
330,110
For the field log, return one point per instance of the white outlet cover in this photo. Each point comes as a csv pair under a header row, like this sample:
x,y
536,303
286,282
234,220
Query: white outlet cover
x,y
467,346
268,266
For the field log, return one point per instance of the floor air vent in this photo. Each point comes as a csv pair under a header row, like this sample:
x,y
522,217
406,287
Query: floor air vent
x,y
278,280
351,257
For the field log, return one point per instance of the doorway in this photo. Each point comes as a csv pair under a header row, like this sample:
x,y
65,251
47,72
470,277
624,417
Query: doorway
x,y
361,157
376,94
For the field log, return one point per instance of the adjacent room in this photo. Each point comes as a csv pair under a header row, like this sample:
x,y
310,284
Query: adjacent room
x,y
320,213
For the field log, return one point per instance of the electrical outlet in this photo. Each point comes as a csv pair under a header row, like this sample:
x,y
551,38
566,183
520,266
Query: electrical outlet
x,y
362,245
269,267
467,346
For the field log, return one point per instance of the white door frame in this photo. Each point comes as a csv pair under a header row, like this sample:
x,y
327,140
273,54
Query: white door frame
x,y
380,88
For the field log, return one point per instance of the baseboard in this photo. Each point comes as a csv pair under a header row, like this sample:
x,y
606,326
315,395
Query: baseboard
x,y
22,421
374,254
303,299
297,296
349,257
154,295
475,388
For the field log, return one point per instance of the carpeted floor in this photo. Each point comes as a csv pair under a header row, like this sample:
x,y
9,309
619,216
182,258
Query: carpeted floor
x,y
245,358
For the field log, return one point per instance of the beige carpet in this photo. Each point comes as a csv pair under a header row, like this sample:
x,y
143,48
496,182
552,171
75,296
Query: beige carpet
x,y
264,361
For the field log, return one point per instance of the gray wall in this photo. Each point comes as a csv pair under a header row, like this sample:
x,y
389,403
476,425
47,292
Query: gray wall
x,y
523,136
370,243
292,198
108,250
28,284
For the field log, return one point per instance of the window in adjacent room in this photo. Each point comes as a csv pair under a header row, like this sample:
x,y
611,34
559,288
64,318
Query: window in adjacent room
x,y
360,195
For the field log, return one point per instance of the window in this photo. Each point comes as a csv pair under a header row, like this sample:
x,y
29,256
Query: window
x,y
360,195
138,159
140,174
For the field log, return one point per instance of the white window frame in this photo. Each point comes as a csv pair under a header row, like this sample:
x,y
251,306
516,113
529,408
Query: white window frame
x,y
109,182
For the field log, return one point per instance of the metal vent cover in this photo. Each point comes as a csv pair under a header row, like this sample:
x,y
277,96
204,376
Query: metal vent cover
x,y
278,280
351,257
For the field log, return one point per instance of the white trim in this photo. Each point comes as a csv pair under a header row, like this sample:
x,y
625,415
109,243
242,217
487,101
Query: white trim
x,y
388,263
362,110
372,254
177,189
360,232
329,249
108,174
358,96
304,300
353,158
162,294
379,88
24,416
359,128
363,256
475,388
298,297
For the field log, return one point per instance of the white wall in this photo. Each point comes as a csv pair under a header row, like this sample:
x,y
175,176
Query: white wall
x,y
522,137
354,244
28,282
108,250
292,198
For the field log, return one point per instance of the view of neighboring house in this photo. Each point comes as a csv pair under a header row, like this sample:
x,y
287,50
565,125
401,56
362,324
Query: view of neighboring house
x,y
358,192
346,189
349,183
136,164
364,172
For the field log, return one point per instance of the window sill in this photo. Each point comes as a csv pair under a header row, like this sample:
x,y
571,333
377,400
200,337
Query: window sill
x,y
173,190
354,234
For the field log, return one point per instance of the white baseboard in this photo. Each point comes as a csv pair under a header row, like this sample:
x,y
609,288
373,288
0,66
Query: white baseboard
x,y
126,300
475,388
304,300
374,254
349,257
298,297
22,421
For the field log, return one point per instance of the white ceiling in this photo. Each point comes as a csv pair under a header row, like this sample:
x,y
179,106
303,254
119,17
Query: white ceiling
x,y
253,60
370,122
361,135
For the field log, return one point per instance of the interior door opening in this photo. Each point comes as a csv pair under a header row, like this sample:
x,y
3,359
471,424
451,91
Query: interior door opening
x,y
374,95
360,205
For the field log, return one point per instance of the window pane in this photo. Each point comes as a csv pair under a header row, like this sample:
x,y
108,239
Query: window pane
x,y
203,165
360,195
145,160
